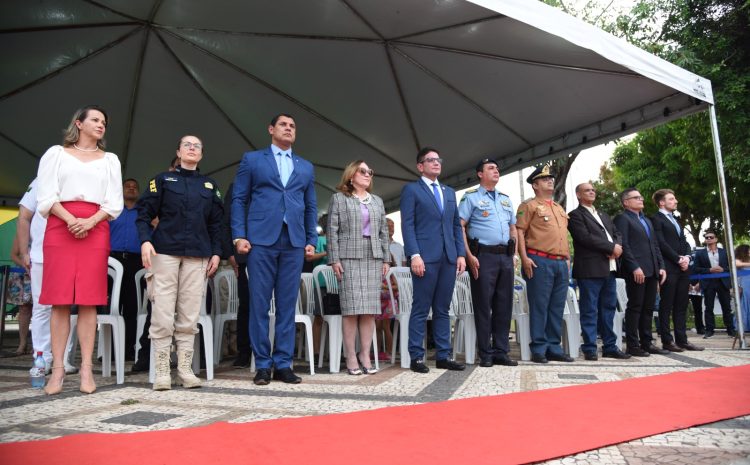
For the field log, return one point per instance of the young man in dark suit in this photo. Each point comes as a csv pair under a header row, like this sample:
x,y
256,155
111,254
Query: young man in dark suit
x,y
434,241
676,254
597,245
643,269
713,259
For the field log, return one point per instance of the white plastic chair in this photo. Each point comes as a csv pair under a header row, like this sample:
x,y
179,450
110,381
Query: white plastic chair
x,y
572,319
402,276
223,315
622,303
111,326
521,317
332,329
204,320
465,333
142,298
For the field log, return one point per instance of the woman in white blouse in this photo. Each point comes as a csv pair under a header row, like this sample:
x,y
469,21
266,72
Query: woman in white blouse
x,y
80,188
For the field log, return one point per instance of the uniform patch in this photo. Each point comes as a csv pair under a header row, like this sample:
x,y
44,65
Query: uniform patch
x,y
505,203
218,194
520,213
152,186
208,185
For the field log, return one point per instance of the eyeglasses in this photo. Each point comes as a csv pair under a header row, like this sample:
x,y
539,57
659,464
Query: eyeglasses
x,y
366,172
432,160
709,237
196,145
636,197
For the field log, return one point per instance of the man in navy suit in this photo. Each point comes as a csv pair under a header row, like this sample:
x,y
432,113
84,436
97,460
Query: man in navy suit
x,y
676,254
274,219
713,259
643,269
433,240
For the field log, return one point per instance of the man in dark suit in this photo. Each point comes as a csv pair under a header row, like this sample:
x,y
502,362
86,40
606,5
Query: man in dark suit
x,y
597,245
713,259
643,269
433,239
274,212
676,254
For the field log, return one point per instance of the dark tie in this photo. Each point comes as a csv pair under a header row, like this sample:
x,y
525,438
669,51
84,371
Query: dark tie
x,y
436,193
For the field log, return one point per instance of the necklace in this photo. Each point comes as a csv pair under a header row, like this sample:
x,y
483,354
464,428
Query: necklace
x,y
86,150
365,200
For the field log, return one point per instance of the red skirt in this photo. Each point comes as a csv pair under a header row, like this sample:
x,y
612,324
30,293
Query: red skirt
x,y
75,270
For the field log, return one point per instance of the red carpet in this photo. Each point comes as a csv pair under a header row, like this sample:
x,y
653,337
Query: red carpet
x,y
512,428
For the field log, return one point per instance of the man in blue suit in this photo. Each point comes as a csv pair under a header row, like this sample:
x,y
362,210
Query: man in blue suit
x,y
433,240
274,216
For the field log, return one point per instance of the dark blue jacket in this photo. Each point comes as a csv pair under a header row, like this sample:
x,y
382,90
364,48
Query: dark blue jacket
x,y
703,266
190,211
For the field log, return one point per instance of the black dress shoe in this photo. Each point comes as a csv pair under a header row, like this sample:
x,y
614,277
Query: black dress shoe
x,y
286,375
672,347
140,366
538,358
241,361
559,358
590,356
486,362
417,365
691,347
652,349
504,360
708,334
637,352
617,353
449,364
262,377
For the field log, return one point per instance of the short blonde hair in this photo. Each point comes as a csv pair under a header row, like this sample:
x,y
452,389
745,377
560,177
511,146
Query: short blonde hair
x,y
72,134
345,185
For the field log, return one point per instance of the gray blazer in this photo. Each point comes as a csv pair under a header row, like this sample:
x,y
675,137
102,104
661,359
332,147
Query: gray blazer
x,y
345,228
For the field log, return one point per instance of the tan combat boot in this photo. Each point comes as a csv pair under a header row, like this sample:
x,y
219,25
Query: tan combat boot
x,y
162,378
185,369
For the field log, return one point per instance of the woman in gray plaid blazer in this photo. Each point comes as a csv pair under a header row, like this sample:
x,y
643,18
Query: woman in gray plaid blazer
x,y
358,253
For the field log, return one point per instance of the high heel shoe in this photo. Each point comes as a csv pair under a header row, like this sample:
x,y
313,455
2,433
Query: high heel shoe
x,y
367,370
50,389
87,387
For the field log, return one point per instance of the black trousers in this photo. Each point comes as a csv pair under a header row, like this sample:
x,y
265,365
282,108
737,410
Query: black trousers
x,y
641,303
243,312
722,293
697,302
674,301
131,263
492,298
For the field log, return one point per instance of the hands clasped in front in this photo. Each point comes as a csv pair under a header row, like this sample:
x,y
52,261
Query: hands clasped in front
x,y
80,227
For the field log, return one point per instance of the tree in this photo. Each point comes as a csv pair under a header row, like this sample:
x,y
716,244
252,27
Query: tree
x,y
607,192
710,38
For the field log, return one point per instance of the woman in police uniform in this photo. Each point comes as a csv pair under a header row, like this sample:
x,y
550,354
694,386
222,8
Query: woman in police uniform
x,y
179,255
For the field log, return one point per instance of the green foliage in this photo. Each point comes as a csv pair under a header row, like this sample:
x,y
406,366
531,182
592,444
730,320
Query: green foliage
x,y
710,38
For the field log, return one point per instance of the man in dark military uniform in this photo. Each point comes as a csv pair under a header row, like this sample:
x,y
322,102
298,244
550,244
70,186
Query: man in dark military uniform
x,y
543,246
490,238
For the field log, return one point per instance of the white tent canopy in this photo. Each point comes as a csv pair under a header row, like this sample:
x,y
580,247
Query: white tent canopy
x,y
516,80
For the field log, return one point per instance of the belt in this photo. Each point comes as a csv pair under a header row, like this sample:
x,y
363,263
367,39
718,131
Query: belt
x,y
539,253
498,249
125,255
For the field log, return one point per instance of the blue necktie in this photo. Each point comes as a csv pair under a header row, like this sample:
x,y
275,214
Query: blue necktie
x,y
284,171
645,225
674,222
436,193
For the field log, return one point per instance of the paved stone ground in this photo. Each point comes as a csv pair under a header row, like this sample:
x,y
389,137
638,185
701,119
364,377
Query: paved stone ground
x,y
27,414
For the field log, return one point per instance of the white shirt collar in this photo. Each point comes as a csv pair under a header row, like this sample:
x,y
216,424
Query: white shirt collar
x,y
429,182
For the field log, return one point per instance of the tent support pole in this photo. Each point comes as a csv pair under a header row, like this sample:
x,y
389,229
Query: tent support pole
x,y
728,235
